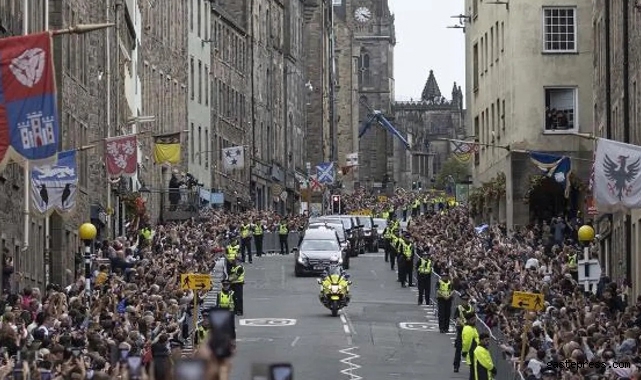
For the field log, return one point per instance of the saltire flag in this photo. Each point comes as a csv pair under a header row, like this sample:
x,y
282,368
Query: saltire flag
x,y
233,158
29,126
167,149
121,156
557,167
463,151
55,187
617,176
351,159
325,172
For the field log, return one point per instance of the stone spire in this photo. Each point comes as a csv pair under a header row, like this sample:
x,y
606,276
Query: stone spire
x,y
431,92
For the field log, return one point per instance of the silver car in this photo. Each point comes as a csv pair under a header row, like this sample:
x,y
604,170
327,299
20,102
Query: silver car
x,y
316,250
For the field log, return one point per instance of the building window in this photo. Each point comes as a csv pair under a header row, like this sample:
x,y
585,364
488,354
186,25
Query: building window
x,y
206,80
475,8
476,68
363,70
191,78
200,82
192,137
200,16
200,146
560,109
559,30
207,150
191,15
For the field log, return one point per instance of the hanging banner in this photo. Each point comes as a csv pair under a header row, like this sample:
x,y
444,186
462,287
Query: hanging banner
x,y
28,112
167,149
55,187
121,156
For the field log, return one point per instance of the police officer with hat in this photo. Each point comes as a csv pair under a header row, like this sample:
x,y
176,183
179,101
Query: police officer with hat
x,y
462,312
424,277
444,292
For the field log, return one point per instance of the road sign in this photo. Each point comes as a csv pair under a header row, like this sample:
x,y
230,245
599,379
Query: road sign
x,y
594,270
268,322
528,301
418,326
195,281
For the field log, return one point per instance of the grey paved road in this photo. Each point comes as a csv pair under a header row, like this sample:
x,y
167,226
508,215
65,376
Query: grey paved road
x,y
372,331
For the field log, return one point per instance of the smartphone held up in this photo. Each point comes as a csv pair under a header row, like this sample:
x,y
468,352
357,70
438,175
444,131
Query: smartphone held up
x,y
222,332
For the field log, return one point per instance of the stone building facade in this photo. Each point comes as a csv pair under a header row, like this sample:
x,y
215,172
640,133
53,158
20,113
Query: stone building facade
x,y
317,56
164,75
427,120
82,87
617,116
365,48
529,88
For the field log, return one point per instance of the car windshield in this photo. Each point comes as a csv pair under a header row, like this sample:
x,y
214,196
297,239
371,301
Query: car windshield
x,y
339,230
381,223
365,221
319,245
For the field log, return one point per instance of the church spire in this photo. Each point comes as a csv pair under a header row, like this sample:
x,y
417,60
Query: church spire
x,y
431,92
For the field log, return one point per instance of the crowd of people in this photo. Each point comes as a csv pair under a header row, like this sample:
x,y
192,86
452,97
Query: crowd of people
x,y
136,306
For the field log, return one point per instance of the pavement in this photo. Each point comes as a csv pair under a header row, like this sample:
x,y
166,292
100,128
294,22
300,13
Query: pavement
x,y
382,334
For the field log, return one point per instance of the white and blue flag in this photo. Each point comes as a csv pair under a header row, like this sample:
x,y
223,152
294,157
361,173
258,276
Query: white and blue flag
x,y
54,187
325,172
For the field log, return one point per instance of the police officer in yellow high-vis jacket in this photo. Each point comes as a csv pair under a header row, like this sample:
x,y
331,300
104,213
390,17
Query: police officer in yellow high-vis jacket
x,y
258,237
444,292
232,251
246,241
283,234
405,261
462,312
237,279
484,368
573,266
471,340
424,278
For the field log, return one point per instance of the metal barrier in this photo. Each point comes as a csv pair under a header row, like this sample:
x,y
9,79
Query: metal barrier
x,y
505,370
271,242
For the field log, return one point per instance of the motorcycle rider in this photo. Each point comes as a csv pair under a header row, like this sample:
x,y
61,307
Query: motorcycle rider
x,y
334,268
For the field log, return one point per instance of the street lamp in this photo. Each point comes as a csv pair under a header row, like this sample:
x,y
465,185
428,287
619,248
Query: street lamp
x,y
586,235
144,193
87,233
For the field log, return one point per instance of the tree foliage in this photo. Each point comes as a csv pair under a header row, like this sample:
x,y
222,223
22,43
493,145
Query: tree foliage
x,y
452,167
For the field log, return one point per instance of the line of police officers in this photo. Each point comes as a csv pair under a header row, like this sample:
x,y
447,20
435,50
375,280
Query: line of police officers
x,y
400,250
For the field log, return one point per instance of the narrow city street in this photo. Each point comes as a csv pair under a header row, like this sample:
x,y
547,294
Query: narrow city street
x,y
383,334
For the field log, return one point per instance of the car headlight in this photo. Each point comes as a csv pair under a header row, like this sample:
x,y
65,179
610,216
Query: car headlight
x,y
335,288
302,258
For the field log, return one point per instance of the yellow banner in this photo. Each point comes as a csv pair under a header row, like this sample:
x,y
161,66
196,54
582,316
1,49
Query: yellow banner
x,y
364,212
167,149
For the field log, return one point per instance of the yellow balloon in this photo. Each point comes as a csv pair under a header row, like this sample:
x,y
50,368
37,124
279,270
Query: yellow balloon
x,y
586,233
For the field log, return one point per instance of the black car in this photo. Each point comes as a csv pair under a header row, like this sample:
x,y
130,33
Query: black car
x,y
370,232
316,251
353,231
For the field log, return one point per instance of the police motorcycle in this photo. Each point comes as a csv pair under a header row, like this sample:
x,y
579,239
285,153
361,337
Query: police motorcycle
x,y
334,287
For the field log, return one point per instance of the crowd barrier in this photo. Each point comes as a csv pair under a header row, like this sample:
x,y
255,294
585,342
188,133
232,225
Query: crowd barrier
x,y
505,369
271,242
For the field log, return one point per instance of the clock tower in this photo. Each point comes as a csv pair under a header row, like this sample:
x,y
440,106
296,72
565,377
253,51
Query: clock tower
x,y
364,51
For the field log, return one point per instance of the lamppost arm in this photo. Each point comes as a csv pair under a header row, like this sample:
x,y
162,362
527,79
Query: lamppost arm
x,y
82,28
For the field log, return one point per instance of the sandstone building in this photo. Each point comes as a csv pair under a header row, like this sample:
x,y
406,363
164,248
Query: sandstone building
x,y
617,113
428,121
528,86
365,39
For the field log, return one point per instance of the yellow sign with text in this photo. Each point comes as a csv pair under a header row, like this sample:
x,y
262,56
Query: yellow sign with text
x,y
528,301
195,281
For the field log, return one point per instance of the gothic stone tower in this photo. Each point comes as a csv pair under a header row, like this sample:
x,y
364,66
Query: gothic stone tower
x,y
371,58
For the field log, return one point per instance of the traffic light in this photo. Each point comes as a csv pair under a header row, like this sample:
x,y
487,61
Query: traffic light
x,y
336,204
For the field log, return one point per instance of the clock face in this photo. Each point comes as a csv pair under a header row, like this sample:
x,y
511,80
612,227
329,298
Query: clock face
x,y
362,14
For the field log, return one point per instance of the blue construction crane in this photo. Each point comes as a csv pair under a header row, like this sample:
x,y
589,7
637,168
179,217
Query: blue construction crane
x,y
378,117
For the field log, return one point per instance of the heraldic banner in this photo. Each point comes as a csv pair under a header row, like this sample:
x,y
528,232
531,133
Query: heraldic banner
x,y
54,187
167,149
121,156
617,176
233,158
28,113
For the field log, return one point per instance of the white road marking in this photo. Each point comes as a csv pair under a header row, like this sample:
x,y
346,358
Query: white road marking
x,y
267,322
352,366
349,323
418,326
343,319
295,341
346,329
